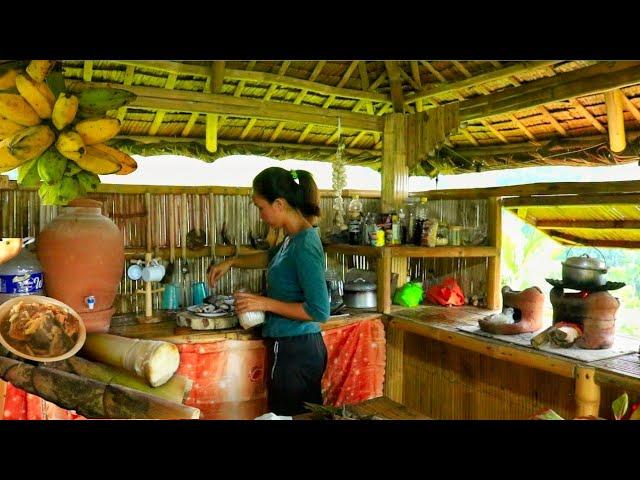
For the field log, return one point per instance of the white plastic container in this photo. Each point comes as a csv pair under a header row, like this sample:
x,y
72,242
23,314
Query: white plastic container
x,y
250,319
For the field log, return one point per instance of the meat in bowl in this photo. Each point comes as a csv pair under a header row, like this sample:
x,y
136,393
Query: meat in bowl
x,y
42,330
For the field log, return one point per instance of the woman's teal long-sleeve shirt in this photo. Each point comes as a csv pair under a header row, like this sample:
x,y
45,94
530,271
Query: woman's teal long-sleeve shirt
x,y
296,274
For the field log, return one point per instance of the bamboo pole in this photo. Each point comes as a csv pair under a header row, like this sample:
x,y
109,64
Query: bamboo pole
x,y
494,296
184,217
615,120
394,369
212,225
177,389
155,360
383,272
90,398
172,228
587,392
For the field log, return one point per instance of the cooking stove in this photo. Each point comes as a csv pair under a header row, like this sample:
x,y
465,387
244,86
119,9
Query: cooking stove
x,y
595,312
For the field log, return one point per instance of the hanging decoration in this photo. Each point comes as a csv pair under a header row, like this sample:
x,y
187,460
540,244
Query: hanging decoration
x,y
339,181
55,137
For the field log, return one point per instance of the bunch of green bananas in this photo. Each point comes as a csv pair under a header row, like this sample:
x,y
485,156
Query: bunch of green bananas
x,y
56,137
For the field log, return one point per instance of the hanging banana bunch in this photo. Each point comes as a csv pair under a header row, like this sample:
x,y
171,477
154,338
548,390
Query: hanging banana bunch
x,y
57,139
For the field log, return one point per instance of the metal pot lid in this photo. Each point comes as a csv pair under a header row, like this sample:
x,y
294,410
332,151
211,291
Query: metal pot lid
x,y
359,285
584,261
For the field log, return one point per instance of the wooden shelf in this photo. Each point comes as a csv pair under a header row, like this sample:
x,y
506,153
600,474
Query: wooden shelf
x,y
347,249
412,251
445,251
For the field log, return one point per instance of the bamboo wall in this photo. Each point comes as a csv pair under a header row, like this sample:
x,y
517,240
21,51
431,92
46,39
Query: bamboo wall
x,y
470,273
22,215
447,382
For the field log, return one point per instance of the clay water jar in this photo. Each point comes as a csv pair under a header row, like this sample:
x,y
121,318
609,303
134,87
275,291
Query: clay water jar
x,y
82,256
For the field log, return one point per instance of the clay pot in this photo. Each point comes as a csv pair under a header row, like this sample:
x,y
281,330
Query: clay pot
x,y
82,256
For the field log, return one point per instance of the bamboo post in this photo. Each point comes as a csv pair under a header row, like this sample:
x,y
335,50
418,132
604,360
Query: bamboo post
x,y
212,225
183,261
172,228
587,392
148,310
394,380
185,222
383,272
148,291
615,120
395,184
147,206
494,295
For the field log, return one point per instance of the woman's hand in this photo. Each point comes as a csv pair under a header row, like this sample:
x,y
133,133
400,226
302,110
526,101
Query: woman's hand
x,y
249,302
217,271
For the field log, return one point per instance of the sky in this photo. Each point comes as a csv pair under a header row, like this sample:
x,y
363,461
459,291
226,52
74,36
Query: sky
x,y
239,170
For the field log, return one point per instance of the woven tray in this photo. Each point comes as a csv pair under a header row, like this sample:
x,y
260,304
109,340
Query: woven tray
x,y
196,322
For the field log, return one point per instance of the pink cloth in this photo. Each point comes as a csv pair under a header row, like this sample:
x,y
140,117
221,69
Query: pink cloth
x,y
356,363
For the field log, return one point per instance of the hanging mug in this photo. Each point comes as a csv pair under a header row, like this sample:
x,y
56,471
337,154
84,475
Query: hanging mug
x,y
134,272
153,272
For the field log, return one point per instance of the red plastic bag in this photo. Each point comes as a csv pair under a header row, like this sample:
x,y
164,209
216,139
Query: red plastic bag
x,y
447,293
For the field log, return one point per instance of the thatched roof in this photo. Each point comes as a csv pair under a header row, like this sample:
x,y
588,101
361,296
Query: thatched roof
x,y
513,114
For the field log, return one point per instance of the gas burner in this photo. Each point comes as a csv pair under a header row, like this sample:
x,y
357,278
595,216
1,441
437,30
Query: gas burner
x,y
602,288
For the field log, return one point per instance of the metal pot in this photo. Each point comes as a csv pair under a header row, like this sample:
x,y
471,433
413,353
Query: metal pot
x,y
584,271
360,294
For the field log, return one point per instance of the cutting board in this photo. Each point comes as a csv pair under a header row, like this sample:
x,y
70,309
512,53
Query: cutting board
x,y
196,322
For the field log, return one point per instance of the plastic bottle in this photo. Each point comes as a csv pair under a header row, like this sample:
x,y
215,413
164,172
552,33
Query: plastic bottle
x,y
395,230
22,275
355,213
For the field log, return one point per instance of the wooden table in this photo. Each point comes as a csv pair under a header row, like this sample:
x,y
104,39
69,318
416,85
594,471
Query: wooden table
x,y
167,330
381,407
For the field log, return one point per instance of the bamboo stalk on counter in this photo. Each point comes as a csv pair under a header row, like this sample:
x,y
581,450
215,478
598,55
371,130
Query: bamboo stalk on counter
x,y
175,390
154,360
90,398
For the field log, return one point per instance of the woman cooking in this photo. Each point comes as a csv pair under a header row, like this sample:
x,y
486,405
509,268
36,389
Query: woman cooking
x,y
297,298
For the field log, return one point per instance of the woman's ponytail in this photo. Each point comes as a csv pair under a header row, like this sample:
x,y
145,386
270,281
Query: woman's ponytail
x,y
297,187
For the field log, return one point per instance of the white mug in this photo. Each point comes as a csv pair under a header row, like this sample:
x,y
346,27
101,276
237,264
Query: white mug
x,y
134,272
153,272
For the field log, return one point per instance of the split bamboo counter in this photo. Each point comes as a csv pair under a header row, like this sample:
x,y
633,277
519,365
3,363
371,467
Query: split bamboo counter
x,y
445,373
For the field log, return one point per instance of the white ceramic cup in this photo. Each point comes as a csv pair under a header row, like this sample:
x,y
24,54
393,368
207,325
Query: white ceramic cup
x,y
153,273
134,272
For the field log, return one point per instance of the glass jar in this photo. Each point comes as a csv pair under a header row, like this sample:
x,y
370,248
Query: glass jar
x,y
455,235
443,234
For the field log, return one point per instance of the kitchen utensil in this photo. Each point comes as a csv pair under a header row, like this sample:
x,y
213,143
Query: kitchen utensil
x,y
134,272
198,292
584,271
197,310
360,293
170,297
